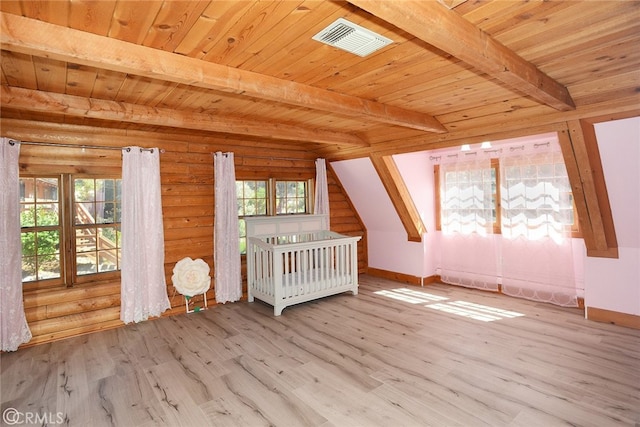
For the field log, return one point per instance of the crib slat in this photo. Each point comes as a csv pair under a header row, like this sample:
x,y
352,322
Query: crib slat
x,y
314,268
286,278
265,273
332,270
299,272
343,274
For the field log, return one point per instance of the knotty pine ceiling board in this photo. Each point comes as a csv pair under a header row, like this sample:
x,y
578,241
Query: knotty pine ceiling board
x,y
80,80
595,64
287,48
496,17
172,23
379,76
51,75
277,48
621,85
329,64
255,23
18,70
569,24
54,12
128,24
90,16
413,79
209,28
140,90
308,61
473,92
108,85
492,107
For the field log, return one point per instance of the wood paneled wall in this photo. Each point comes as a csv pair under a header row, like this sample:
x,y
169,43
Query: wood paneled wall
x,y
187,180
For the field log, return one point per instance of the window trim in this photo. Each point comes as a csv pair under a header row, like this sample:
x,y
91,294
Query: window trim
x,y
307,192
66,198
271,196
80,279
497,225
55,282
271,193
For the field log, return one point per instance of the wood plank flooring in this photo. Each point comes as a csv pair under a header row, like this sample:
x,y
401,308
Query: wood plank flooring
x,y
385,357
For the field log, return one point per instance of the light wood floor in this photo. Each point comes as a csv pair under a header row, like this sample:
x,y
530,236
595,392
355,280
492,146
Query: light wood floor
x,y
365,360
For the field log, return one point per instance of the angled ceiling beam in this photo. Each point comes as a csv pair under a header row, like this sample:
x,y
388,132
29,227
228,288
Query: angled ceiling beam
x,y
32,37
400,196
445,29
47,102
584,168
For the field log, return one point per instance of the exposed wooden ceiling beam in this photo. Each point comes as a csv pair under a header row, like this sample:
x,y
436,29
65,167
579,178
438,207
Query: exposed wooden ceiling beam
x,y
584,168
445,29
47,102
32,37
400,196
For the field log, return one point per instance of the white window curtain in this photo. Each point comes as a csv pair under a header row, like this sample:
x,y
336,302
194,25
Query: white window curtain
x,y
468,247
13,323
143,288
226,257
537,253
321,202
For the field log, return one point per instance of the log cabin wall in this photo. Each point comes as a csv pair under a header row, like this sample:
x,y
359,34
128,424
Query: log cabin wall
x,y
187,178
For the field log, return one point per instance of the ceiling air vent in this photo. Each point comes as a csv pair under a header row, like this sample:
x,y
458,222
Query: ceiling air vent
x,y
351,37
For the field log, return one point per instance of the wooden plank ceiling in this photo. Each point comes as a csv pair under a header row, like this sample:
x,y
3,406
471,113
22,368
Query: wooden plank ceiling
x,y
456,69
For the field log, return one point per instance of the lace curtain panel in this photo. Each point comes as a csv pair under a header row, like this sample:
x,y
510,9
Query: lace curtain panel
x,y
321,202
537,253
143,288
13,324
467,244
226,254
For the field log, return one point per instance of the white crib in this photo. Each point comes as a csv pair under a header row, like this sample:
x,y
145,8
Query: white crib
x,y
294,259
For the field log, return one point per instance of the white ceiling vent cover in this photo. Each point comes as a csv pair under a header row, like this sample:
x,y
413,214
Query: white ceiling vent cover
x,y
352,38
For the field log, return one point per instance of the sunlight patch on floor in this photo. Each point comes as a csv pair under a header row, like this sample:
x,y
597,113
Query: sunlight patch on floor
x,y
471,310
410,296
475,311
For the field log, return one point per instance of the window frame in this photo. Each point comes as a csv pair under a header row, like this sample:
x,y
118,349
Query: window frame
x,y
78,279
271,202
55,281
308,203
497,224
67,235
243,236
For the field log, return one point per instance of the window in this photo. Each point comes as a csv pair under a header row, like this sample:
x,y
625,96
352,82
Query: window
x,y
252,200
469,197
69,246
97,210
291,197
41,228
270,197
537,199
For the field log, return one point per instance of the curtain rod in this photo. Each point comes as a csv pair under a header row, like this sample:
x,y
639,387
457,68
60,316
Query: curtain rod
x,y
90,147
271,158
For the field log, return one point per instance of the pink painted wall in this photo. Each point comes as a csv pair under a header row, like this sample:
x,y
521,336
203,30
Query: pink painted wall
x,y
614,284
417,172
388,247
